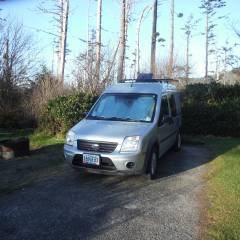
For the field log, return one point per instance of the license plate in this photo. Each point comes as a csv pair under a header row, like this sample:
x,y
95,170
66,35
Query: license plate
x,y
91,159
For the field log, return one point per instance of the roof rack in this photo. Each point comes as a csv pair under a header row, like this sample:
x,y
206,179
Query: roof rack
x,y
148,78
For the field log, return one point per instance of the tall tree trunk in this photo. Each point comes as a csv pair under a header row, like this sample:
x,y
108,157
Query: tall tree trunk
x,y
60,15
98,39
171,39
225,67
187,58
206,48
154,35
138,40
122,42
88,41
210,8
217,68
63,39
7,66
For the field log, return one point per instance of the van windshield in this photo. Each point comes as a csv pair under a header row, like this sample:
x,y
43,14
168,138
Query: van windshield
x,y
132,107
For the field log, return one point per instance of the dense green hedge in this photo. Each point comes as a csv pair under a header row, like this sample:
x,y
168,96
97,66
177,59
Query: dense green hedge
x,y
206,109
62,113
211,109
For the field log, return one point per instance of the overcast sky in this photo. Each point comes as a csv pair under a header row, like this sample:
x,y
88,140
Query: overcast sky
x,y
26,12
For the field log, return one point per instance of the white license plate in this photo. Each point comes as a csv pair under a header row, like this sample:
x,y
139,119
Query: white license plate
x,y
91,159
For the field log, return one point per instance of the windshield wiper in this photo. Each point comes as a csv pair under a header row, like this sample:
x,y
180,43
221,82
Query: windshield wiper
x,y
130,119
127,119
122,119
97,117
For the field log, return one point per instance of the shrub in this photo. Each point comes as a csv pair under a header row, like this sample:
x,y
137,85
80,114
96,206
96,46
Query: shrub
x,y
208,109
62,113
211,109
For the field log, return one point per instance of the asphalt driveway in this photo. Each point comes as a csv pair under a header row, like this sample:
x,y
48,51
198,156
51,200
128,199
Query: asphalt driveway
x,y
81,206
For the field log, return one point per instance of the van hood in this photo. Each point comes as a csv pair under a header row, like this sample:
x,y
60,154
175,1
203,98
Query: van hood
x,y
109,131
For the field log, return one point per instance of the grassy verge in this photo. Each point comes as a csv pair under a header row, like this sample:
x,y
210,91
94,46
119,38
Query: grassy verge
x,y
37,139
41,140
223,188
6,134
46,160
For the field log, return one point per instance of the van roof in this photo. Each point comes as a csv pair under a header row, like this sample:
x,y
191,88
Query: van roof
x,y
141,87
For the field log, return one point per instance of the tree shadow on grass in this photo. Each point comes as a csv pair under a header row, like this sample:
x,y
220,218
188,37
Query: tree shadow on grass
x,y
196,152
187,158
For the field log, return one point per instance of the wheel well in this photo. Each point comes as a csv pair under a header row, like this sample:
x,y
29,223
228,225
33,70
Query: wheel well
x,y
151,146
155,145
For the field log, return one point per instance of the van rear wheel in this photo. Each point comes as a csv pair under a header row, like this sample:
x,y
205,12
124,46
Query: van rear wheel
x,y
153,164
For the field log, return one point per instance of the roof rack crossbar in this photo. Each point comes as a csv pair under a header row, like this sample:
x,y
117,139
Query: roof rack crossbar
x,y
161,80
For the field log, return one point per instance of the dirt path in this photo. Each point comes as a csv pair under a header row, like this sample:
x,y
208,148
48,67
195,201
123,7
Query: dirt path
x,y
78,206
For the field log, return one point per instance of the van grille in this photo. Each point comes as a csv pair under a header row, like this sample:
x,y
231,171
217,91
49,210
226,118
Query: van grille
x,y
96,146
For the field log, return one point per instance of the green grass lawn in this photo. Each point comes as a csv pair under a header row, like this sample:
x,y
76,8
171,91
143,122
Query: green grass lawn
x,y
223,188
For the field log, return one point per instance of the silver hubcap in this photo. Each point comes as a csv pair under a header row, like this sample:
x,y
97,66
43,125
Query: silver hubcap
x,y
153,163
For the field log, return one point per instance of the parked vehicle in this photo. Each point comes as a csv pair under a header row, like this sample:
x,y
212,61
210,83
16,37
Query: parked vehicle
x,y
128,129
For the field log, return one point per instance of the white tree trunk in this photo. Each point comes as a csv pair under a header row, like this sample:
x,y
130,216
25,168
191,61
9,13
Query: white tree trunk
x,y
171,39
187,58
138,40
154,35
122,42
63,39
98,39
206,47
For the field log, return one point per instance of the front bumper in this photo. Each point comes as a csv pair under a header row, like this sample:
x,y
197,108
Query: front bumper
x,y
110,163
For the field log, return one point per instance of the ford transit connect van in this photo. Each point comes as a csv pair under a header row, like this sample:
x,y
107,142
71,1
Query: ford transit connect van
x,y
128,129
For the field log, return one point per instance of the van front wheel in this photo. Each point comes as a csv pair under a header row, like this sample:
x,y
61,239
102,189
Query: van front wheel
x,y
153,164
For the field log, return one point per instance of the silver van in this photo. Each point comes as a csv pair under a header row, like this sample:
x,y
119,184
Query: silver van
x,y
128,129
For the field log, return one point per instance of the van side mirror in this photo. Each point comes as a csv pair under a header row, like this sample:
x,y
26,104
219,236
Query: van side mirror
x,y
168,119
165,119
162,121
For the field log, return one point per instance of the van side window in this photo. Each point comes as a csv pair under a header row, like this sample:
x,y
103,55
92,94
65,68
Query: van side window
x,y
173,106
164,109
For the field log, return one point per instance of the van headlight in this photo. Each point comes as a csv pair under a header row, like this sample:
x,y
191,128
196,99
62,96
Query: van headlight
x,y
70,138
130,144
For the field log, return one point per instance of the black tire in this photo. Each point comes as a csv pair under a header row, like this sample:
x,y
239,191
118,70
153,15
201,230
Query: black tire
x,y
178,142
153,164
